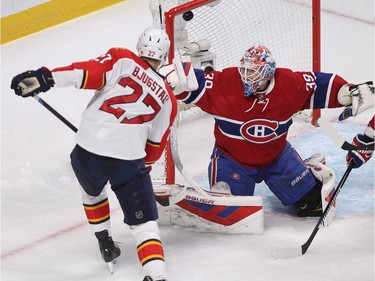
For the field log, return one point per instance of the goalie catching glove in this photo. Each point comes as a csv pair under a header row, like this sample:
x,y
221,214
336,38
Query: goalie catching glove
x,y
32,82
356,98
179,76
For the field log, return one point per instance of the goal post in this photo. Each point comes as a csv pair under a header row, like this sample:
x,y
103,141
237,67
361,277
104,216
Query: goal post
x,y
170,20
316,50
289,28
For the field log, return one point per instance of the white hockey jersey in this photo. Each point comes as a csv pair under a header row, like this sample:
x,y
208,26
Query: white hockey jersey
x,y
132,110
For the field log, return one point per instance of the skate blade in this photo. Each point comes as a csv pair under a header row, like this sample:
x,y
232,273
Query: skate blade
x,y
112,266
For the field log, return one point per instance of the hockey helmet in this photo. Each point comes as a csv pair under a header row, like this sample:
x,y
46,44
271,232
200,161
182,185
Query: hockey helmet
x,y
257,67
153,43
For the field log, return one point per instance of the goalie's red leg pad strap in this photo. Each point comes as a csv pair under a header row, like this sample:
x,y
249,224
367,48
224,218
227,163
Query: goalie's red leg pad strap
x,y
97,213
150,250
224,215
329,197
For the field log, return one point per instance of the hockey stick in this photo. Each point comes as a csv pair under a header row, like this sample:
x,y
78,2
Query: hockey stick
x,y
161,16
331,132
177,161
283,253
54,112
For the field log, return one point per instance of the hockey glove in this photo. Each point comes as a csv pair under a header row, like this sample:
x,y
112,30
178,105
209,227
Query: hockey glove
x,y
360,156
32,82
170,75
356,98
180,76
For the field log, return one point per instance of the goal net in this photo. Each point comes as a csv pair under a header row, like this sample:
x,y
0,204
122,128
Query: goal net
x,y
289,28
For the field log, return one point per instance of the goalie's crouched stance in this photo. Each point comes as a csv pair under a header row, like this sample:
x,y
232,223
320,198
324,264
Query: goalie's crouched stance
x,y
227,209
304,184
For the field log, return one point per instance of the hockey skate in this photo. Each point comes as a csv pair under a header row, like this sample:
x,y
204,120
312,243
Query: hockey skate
x,y
309,206
109,250
148,278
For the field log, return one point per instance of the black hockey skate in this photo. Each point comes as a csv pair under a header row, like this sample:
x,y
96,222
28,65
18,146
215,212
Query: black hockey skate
x,y
309,213
148,278
311,204
109,250
307,207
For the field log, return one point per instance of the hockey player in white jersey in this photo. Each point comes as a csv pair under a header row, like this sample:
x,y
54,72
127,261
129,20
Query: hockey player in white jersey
x,y
123,130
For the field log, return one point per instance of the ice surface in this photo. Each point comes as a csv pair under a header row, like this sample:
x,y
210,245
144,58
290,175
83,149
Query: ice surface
x,y
44,231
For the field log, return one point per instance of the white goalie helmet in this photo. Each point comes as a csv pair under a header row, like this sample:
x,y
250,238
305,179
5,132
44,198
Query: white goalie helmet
x,y
256,68
153,43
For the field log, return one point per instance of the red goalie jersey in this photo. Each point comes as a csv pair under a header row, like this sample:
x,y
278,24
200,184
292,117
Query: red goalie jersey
x,y
253,130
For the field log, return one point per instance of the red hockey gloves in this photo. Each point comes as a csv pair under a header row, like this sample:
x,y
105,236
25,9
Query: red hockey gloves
x,y
360,156
32,82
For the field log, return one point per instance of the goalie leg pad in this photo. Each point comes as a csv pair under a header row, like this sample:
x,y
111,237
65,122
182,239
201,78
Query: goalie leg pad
x,y
215,214
327,177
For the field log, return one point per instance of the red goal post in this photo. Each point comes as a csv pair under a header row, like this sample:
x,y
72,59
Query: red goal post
x,y
289,28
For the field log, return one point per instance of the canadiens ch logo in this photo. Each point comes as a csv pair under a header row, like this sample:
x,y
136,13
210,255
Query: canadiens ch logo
x,y
259,130
235,176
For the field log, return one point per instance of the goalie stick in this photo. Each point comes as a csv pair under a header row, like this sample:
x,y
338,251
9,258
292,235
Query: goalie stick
x,y
331,132
177,161
292,252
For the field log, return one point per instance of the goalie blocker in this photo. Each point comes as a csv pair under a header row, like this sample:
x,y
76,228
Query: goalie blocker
x,y
222,213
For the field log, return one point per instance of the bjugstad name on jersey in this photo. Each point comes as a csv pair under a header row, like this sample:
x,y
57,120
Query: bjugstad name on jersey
x,y
149,82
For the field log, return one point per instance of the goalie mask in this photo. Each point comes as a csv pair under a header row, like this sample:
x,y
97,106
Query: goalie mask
x,y
256,68
153,43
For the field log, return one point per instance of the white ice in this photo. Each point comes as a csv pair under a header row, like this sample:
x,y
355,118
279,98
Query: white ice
x,y
44,233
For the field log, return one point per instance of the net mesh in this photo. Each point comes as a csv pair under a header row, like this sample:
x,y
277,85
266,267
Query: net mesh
x,y
284,26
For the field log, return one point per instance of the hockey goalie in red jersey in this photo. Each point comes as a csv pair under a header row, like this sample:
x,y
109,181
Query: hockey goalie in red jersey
x,y
252,106
123,129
